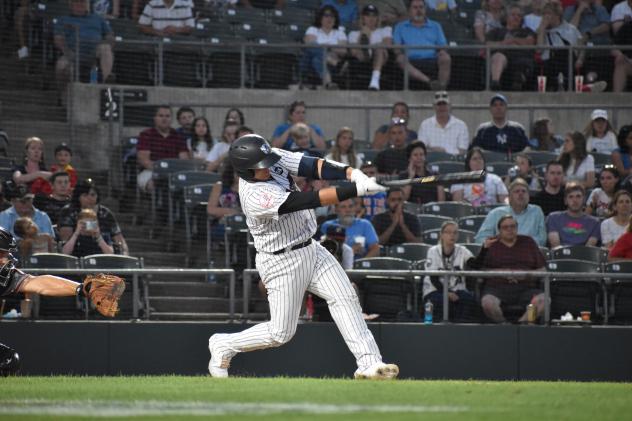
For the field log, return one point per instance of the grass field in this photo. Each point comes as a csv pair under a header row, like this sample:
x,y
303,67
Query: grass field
x,y
174,397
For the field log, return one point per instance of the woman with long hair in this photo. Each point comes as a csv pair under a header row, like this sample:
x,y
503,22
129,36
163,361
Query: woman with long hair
x,y
543,138
491,16
578,165
235,114
220,149
33,167
201,140
416,153
491,192
449,256
598,203
343,150
615,226
600,135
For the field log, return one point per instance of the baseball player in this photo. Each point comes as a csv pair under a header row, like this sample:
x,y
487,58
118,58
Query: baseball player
x,y
282,223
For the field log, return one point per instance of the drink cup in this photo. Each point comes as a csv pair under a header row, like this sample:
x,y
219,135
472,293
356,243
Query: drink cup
x,y
360,240
541,83
579,83
26,306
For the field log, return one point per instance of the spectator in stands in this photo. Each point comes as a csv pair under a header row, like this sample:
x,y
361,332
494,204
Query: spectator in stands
x,y
200,142
441,5
235,114
622,156
419,193
391,11
551,197
223,200
490,192
156,143
392,160
449,256
261,4
220,150
443,132
337,235
543,138
296,114
422,64
87,227
166,18
399,111
95,42
361,235
185,117
622,249
491,16
600,198
22,206
52,203
32,173
600,135
63,158
529,217
533,19
243,131
500,134
396,226
621,19
326,30
515,65
573,227
347,10
30,240
300,132
343,150
525,170
371,33
578,164
107,9
614,227
509,251
375,203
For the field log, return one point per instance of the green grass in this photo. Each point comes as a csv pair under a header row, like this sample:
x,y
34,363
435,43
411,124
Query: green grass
x,y
476,400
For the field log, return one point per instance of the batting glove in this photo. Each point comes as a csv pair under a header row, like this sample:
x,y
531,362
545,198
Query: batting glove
x,y
369,187
357,175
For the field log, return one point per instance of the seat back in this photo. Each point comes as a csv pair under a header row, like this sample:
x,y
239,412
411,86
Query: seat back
x,y
408,251
452,210
500,168
620,302
181,179
474,248
575,295
471,223
52,261
447,167
438,156
588,253
164,167
430,222
432,236
57,307
392,263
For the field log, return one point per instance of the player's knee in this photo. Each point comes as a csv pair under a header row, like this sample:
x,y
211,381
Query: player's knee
x,y
282,336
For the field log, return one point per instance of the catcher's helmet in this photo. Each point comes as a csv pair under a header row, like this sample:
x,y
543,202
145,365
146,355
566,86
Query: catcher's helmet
x,y
7,241
251,152
9,361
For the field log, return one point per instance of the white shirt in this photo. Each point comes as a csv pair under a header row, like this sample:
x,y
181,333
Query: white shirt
x,y
587,165
605,144
479,194
377,36
347,257
599,200
435,261
611,231
532,21
335,36
454,136
344,158
159,16
620,11
564,34
218,149
201,149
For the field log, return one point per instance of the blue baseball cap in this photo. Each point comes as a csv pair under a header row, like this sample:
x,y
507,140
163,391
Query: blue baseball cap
x,y
500,97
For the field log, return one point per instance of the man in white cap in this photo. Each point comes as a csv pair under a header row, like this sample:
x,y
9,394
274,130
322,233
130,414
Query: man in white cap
x,y
443,132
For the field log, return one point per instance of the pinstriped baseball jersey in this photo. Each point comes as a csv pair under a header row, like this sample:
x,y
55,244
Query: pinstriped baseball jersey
x,y
260,202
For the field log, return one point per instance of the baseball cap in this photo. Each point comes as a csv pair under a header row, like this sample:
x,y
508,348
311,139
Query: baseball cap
x,y
599,114
370,9
63,147
336,231
441,96
500,97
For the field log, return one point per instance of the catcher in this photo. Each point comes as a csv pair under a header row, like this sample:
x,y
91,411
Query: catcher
x,y
103,290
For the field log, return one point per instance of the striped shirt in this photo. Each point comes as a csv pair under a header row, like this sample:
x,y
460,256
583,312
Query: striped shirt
x,y
159,16
261,200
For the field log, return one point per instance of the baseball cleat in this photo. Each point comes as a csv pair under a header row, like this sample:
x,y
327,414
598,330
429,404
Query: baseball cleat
x,y
218,365
378,371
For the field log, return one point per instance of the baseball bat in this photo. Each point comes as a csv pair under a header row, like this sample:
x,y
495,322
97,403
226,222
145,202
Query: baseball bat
x,y
443,180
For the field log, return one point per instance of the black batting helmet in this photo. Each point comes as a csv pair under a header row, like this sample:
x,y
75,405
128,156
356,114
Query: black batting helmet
x,y
251,152
7,241
9,361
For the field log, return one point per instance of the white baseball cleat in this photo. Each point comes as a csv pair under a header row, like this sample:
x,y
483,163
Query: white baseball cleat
x,y
378,371
219,363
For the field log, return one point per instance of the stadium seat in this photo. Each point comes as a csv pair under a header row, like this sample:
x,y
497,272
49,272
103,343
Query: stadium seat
x,y
429,222
130,302
541,157
620,291
194,197
446,167
601,159
432,236
412,252
312,5
177,182
577,295
292,16
471,223
546,252
474,248
485,209
500,168
236,235
369,154
588,253
414,208
453,210
275,67
437,156
248,15
494,156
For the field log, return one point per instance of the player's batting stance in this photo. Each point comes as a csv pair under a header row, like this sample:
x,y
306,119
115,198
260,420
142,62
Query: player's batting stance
x,y
103,290
282,224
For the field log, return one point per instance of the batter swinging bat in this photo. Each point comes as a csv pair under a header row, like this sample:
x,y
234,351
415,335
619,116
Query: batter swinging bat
x,y
443,180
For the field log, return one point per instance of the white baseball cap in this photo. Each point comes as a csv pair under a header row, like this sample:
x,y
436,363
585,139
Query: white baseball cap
x,y
599,114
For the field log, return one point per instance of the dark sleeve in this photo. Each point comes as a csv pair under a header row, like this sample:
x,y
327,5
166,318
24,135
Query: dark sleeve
x,y
479,261
413,224
300,200
66,218
112,223
380,223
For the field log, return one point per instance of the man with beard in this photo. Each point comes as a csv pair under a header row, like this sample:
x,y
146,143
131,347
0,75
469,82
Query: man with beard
x,y
395,226
361,235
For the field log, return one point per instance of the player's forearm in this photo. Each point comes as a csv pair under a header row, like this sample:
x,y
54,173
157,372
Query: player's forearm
x,y
49,285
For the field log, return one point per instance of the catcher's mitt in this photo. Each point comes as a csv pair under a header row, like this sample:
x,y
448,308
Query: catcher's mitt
x,y
104,291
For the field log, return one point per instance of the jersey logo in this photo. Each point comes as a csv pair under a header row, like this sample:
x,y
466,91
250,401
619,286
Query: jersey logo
x,y
265,148
266,201
277,170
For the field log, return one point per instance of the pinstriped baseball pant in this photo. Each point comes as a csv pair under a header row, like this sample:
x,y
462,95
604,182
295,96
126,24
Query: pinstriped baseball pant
x,y
287,276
